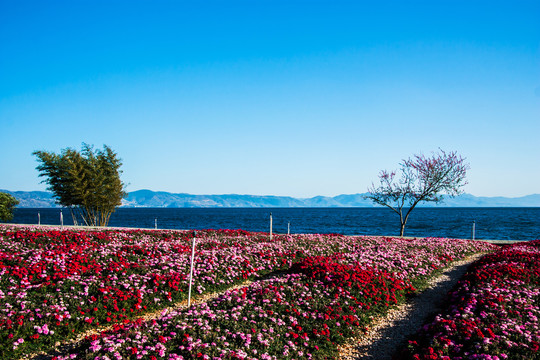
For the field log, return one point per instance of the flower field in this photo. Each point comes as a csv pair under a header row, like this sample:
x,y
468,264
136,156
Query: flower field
x,y
308,293
493,314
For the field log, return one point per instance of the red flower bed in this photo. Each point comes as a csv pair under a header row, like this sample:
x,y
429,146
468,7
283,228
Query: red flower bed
x,y
375,287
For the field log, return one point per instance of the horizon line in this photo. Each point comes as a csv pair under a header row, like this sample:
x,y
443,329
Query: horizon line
x,y
284,196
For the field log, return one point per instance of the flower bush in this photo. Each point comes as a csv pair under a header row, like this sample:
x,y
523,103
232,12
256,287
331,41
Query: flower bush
x,y
493,313
310,292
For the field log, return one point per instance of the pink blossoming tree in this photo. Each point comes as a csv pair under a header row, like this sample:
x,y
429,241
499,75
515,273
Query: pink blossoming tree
x,y
422,178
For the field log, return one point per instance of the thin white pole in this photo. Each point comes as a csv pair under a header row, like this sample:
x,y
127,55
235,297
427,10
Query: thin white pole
x,y
155,223
289,228
473,229
270,226
61,219
38,218
191,270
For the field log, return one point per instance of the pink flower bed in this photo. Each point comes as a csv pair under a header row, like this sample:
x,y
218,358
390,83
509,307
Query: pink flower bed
x,y
493,313
56,284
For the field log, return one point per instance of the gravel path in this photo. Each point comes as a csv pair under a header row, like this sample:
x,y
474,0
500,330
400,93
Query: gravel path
x,y
387,334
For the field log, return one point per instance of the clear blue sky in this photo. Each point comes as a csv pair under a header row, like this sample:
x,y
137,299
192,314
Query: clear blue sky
x,y
296,98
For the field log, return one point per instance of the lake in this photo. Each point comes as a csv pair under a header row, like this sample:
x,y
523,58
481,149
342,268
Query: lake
x,y
490,223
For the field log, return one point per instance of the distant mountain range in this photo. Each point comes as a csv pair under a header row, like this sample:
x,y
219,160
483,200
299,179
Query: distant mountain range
x,y
158,199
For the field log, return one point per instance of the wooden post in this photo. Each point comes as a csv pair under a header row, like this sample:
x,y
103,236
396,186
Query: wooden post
x,y
270,226
191,269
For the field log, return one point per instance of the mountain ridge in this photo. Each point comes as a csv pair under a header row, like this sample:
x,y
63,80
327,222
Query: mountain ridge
x,y
158,199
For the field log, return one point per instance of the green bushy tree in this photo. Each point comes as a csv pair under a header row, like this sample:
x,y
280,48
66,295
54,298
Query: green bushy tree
x,y
86,182
7,204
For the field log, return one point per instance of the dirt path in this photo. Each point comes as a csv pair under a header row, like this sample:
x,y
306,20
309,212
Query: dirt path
x,y
387,334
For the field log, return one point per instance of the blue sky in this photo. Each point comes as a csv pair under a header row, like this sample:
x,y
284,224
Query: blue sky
x,y
298,98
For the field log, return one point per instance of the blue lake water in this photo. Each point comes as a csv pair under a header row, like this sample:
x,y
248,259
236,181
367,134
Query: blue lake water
x,y
490,223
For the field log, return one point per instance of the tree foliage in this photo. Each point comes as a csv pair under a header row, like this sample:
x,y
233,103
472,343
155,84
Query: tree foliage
x,y
422,178
86,182
7,204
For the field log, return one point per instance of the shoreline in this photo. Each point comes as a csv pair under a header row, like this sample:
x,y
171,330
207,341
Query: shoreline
x,y
82,227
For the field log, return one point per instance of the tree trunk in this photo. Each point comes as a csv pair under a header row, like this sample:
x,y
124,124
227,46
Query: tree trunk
x,y
73,215
403,221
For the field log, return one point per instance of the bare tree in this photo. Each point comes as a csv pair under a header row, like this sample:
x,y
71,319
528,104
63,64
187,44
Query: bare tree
x,y
422,178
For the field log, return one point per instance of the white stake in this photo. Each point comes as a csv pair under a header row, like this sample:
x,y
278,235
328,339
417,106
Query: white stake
x,y
473,229
191,270
155,223
289,228
270,226
61,219
38,218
